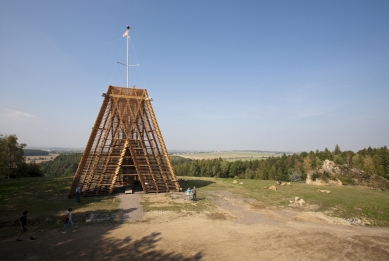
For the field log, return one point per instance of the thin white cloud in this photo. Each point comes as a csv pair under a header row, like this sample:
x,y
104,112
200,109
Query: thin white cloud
x,y
12,114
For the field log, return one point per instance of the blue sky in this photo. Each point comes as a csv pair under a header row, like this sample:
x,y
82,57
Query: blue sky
x,y
224,75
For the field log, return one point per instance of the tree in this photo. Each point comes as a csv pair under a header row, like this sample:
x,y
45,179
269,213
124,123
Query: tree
x,y
307,164
224,169
336,150
272,172
368,165
327,154
11,155
338,159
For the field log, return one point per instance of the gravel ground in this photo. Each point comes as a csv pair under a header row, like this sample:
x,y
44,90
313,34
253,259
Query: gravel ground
x,y
131,209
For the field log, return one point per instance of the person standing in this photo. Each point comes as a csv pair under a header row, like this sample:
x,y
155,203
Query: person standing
x,y
78,194
23,226
188,194
194,194
68,220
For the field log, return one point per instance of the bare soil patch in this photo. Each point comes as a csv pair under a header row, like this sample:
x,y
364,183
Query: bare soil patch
x,y
235,229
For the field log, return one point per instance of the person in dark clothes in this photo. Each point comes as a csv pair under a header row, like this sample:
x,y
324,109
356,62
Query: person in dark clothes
x,y
194,193
23,226
78,194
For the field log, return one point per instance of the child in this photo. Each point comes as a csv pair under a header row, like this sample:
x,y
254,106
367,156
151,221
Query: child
x,y
68,220
23,226
188,194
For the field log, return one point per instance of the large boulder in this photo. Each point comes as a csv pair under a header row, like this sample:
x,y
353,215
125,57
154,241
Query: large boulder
x,y
272,188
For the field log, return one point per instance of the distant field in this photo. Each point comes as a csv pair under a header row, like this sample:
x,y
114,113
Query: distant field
x,y
39,159
229,155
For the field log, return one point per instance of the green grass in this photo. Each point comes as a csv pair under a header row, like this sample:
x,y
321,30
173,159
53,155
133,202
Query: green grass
x,y
343,201
47,202
202,204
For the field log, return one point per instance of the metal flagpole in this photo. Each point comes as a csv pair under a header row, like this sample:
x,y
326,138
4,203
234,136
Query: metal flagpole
x,y
128,36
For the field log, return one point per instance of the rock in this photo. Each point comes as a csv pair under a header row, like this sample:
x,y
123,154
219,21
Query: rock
x,y
324,191
355,221
330,167
298,200
100,217
272,188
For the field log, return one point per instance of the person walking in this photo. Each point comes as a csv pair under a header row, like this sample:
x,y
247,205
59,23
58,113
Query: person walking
x,y
188,194
78,194
23,226
194,194
68,220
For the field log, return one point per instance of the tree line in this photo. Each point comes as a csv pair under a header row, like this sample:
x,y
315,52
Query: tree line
x,y
32,152
286,168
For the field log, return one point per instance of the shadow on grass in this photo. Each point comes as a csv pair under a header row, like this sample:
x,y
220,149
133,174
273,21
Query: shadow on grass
x,y
190,183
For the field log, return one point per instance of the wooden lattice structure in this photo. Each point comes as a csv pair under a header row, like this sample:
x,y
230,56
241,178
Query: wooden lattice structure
x,y
125,146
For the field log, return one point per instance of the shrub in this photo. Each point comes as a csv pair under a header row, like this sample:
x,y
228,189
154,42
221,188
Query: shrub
x,y
315,176
346,181
338,159
296,176
325,176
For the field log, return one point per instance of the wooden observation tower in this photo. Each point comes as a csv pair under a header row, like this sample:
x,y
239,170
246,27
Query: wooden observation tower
x,y
125,147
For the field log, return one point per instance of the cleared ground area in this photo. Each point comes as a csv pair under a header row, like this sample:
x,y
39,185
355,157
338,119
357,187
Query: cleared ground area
x,y
229,227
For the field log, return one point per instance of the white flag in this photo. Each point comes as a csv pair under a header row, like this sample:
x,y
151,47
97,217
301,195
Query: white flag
x,y
125,33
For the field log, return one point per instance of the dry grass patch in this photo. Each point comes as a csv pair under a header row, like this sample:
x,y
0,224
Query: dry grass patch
x,y
216,216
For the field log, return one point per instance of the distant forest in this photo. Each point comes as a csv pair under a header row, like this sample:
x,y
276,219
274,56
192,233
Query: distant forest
x,y
31,152
62,165
286,168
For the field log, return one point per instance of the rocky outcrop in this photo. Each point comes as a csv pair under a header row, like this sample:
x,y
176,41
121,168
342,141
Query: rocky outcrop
x,y
329,167
335,174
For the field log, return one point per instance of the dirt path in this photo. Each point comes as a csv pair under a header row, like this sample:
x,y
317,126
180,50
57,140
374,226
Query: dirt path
x,y
237,230
130,208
